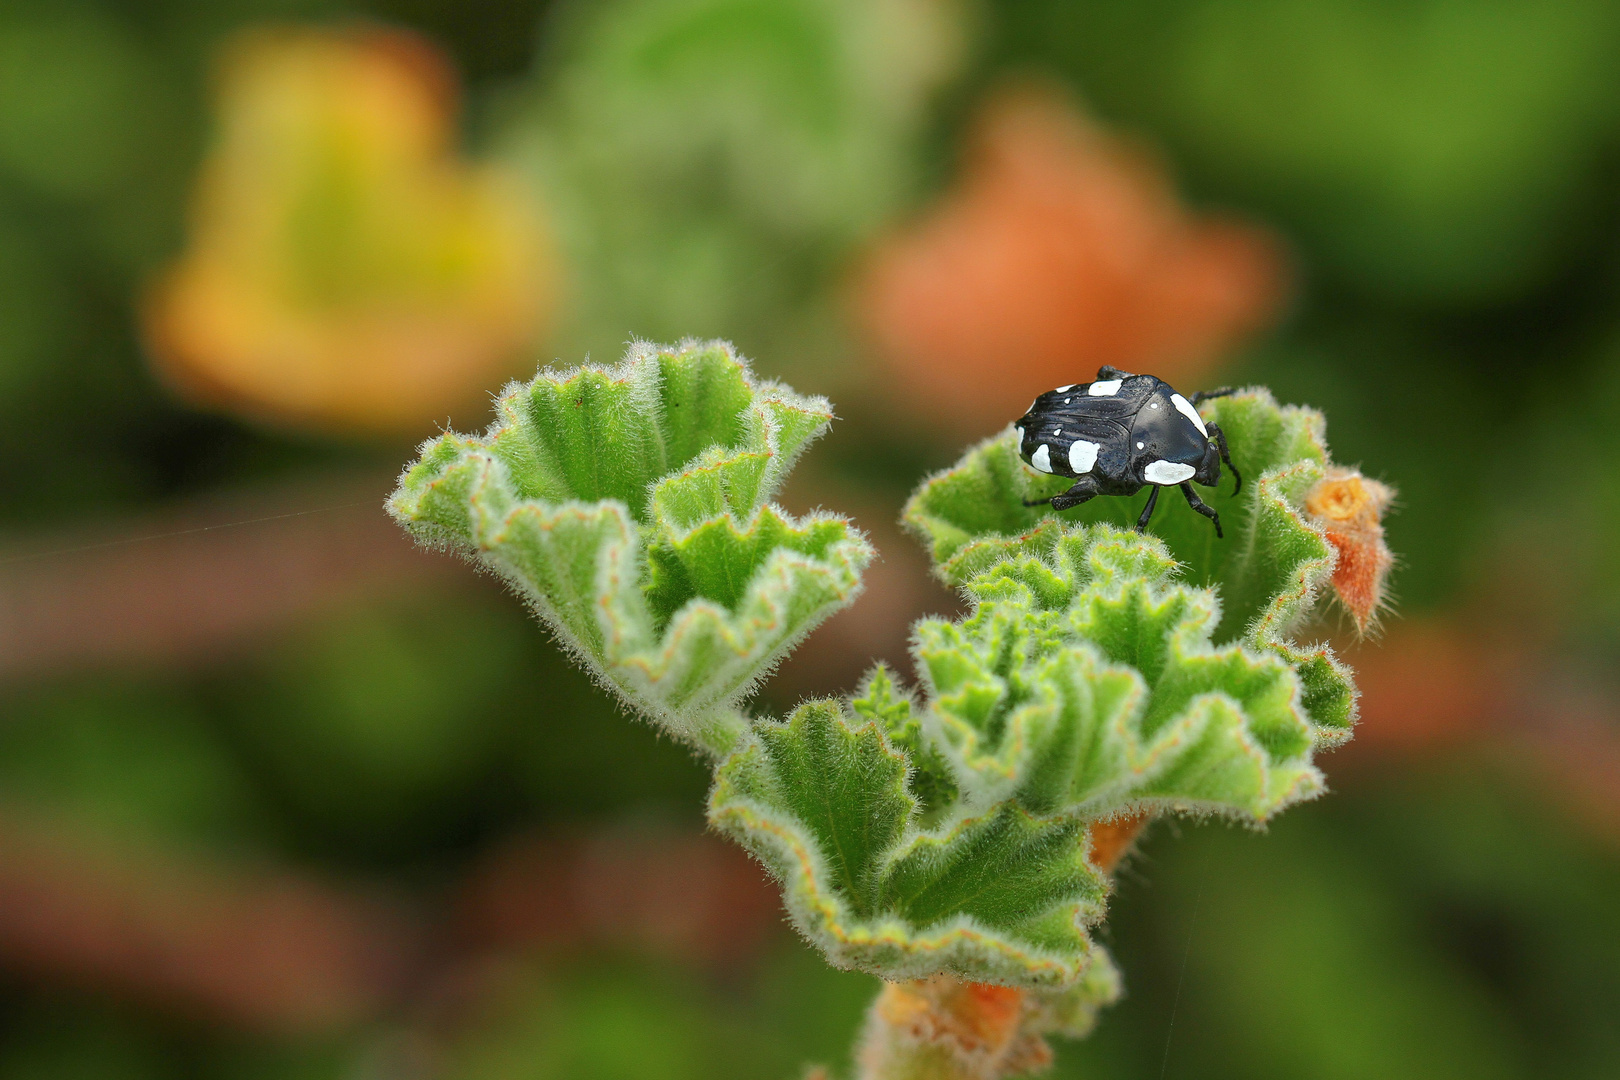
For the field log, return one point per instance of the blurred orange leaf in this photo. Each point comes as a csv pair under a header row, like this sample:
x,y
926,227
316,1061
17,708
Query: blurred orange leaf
x,y
346,270
1059,249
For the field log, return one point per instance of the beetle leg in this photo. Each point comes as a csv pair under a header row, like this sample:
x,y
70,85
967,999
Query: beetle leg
x,y
1147,511
1198,504
1084,490
1219,436
1204,395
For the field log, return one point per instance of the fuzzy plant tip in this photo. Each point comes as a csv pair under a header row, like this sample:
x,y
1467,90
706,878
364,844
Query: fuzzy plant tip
x,y
962,832
630,506
1282,550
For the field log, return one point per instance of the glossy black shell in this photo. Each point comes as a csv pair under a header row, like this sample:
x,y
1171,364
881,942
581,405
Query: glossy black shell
x,y
1143,431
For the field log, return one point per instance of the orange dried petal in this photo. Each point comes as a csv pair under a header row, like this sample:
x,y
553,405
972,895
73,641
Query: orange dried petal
x,y
1349,508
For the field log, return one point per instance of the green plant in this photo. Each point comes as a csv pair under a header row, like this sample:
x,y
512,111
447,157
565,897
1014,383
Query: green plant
x,y
947,837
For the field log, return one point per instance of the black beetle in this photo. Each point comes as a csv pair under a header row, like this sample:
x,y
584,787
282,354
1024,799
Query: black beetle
x,y
1121,433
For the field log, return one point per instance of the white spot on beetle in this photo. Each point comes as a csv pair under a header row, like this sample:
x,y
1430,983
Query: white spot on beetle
x,y
1082,456
1042,458
1184,407
1141,446
1153,404
1059,431
1067,400
1065,389
1106,388
1166,473
1020,430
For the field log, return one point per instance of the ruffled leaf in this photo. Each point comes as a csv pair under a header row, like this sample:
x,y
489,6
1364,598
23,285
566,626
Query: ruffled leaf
x,y
1003,895
897,713
1268,573
630,507
1085,681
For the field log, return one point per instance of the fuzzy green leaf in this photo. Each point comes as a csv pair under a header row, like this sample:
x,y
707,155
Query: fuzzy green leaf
x,y
845,786
822,800
630,507
932,779
1007,869
1085,680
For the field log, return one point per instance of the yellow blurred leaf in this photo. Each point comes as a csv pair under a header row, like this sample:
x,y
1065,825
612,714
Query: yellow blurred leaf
x,y
346,270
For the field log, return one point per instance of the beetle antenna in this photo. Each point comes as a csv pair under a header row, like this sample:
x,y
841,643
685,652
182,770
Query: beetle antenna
x,y
1204,395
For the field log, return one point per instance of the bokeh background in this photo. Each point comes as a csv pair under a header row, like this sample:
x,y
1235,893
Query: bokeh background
x,y
281,797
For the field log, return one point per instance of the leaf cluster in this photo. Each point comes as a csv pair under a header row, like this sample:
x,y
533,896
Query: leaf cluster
x,y
1099,673
943,829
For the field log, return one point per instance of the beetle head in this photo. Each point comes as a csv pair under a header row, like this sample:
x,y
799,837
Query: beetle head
x,y
1173,439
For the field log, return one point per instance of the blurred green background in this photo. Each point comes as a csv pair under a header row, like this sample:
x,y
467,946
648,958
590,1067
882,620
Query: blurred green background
x,y
283,798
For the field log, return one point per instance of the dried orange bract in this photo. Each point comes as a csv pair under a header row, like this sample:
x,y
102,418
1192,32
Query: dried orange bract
x,y
1350,509
968,1029
1110,841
